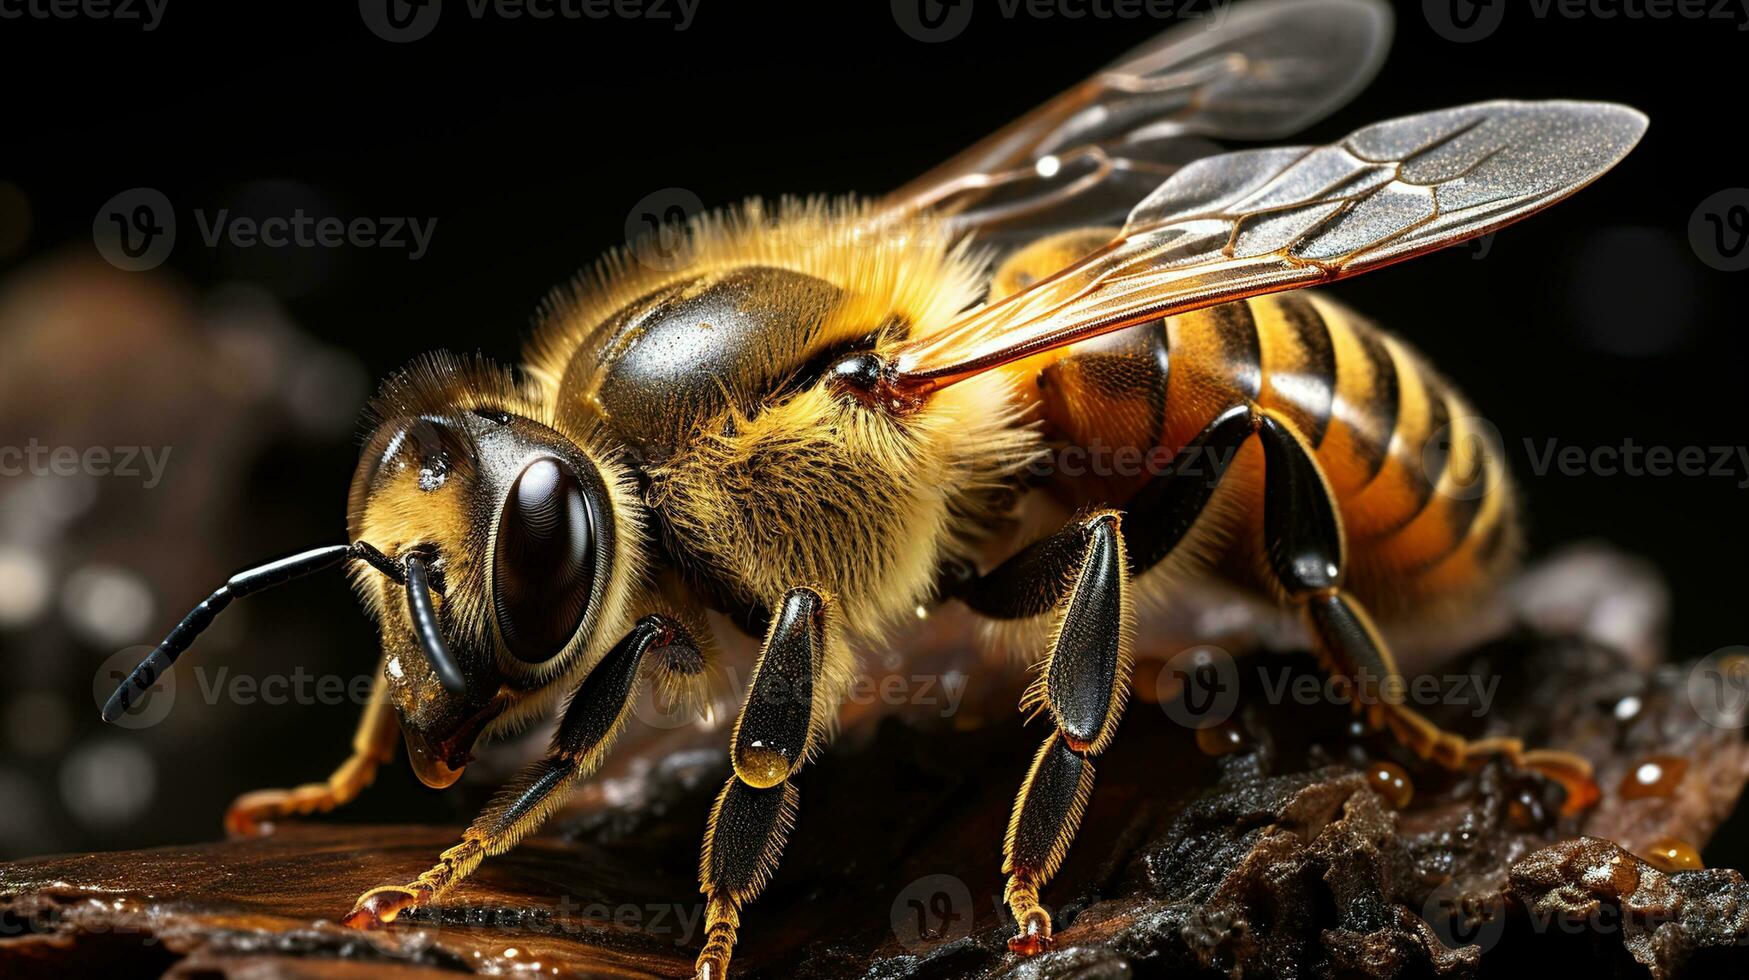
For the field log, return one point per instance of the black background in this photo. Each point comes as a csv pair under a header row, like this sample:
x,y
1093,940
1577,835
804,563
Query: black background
x,y
531,142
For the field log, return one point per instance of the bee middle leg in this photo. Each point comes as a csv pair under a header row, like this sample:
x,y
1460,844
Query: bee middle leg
x,y
1305,550
372,747
591,724
1081,576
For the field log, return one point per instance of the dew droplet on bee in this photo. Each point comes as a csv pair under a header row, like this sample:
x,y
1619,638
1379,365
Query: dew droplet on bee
x,y
433,471
1391,782
1222,739
1671,854
1653,776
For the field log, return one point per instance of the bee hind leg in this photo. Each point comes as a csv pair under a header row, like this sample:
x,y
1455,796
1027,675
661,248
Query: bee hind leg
x,y
592,722
1306,556
372,746
781,722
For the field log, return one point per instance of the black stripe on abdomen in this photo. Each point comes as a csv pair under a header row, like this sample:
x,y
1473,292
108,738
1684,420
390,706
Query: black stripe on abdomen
x,y
1426,468
1373,447
1310,388
1241,349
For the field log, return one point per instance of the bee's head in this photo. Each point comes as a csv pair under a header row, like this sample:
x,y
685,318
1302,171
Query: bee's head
x,y
524,538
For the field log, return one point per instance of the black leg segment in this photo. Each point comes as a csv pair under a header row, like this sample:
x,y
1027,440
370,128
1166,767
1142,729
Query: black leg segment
x,y
1082,676
1300,526
784,717
1030,583
1306,552
1081,573
1163,511
592,720
774,731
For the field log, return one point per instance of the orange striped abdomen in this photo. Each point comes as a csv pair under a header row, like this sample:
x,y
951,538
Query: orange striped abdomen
x,y
1424,498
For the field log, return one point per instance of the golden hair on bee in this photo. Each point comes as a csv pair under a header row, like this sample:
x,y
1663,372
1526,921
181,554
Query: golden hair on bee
x,y
901,490
895,274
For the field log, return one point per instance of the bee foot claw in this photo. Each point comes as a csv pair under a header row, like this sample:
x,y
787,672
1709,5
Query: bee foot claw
x,y
242,823
254,814
380,906
1034,936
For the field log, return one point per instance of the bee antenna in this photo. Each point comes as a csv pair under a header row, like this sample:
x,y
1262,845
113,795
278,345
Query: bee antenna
x,y
241,584
424,614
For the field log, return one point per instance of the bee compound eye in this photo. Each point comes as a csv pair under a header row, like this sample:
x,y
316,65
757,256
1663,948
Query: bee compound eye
x,y
544,562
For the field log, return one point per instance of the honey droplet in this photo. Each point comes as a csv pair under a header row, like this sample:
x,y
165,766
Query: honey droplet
x,y
1670,854
1390,781
1222,739
1654,775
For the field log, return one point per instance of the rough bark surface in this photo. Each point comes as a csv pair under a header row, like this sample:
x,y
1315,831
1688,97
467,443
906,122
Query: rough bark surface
x,y
1276,859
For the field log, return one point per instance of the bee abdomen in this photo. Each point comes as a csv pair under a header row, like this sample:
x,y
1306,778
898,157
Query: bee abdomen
x,y
1417,475
1422,491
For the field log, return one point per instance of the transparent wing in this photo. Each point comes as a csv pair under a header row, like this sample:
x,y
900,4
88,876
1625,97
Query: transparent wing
x,y
1254,71
1259,221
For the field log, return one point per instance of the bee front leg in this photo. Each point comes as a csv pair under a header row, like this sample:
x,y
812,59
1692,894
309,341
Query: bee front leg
x,y
781,723
372,746
1305,548
592,722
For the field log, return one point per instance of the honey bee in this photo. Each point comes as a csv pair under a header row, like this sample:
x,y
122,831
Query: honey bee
x,y
826,414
